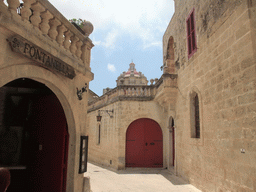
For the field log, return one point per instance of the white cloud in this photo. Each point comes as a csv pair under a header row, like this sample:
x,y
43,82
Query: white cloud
x,y
153,44
144,19
95,42
111,39
111,67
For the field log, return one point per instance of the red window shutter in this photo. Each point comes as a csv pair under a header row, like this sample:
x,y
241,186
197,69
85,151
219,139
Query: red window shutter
x,y
191,34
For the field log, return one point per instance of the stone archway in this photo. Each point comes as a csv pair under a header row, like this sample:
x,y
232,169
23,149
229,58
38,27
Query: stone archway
x,y
33,137
58,86
144,144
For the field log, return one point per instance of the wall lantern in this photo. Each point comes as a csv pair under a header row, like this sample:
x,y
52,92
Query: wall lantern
x,y
109,112
99,117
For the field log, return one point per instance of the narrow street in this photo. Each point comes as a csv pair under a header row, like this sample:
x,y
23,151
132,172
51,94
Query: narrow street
x,y
135,180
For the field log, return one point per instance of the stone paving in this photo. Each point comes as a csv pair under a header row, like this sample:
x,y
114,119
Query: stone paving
x,y
135,180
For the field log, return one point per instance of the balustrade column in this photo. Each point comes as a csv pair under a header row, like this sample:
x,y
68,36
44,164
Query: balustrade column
x,y
36,18
13,5
133,91
79,51
148,92
25,10
60,37
86,53
129,91
66,42
145,91
44,26
54,23
73,47
137,92
141,91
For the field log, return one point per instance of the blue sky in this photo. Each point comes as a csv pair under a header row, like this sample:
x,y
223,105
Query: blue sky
x,y
124,31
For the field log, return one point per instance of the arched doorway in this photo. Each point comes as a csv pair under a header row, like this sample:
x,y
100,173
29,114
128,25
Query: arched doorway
x,y
144,144
33,137
171,142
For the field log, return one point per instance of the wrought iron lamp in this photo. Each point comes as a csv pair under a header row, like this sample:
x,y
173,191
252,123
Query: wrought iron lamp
x,y
99,117
80,92
109,112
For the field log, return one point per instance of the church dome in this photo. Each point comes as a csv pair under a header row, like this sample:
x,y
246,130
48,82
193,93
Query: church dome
x,y
132,71
132,77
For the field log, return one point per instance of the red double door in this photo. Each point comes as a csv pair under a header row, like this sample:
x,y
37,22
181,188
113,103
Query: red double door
x,y
144,144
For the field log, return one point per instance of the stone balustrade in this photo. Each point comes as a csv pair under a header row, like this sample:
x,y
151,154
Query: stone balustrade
x,y
122,93
135,91
44,16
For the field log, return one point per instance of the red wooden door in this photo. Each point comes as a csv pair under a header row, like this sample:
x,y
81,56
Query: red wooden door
x,y
50,140
65,159
144,144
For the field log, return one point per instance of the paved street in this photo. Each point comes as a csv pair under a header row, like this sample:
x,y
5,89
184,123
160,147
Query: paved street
x,y
135,180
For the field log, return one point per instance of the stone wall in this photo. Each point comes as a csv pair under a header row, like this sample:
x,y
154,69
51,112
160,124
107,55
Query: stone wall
x,y
111,150
57,37
223,73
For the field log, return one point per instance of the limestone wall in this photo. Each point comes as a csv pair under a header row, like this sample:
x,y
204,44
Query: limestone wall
x,y
223,73
111,150
49,37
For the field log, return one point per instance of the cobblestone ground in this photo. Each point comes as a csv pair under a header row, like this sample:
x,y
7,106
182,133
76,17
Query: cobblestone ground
x,y
135,180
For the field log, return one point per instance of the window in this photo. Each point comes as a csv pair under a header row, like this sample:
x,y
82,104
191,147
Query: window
x,y
195,116
99,134
191,34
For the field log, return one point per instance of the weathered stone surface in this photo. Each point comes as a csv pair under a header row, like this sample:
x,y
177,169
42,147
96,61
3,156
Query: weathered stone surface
x,y
14,65
225,59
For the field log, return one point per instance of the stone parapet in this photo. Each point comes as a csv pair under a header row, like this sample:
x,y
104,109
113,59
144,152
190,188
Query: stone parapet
x,y
42,24
164,90
123,93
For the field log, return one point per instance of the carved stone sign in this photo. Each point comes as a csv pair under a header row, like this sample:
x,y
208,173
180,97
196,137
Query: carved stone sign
x,y
45,59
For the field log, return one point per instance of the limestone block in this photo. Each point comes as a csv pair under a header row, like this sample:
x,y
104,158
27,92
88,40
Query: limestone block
x,y
87,184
